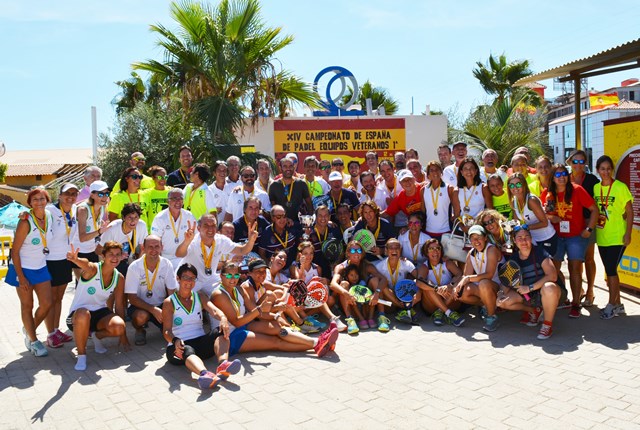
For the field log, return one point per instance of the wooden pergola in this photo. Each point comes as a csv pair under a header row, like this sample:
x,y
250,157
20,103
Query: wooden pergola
x,y
617,59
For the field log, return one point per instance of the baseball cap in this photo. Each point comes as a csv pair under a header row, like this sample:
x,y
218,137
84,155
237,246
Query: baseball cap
x,y
292,156
98,186
67,186
477,229
258,263
405,174
459,143
335,176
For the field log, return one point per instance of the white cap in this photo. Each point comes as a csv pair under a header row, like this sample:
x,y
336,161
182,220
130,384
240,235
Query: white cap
x,y
335,176
66,187
292,156
98,186
405,174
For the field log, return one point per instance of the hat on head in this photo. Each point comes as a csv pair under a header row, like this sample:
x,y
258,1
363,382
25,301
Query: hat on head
x,y
459,143
405,174
335,176
258,263
292,156
477,229
66,187
98,186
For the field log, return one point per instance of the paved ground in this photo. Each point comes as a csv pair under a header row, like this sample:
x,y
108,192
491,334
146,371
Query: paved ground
x,y
585,376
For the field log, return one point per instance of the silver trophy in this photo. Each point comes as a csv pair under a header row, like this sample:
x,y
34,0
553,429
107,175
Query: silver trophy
x,y
508,227
306,221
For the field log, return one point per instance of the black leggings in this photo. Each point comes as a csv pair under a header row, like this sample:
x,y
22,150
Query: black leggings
x,y
201,346
611,256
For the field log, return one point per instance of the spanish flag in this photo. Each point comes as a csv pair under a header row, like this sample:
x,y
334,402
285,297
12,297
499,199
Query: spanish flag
x,y
599,101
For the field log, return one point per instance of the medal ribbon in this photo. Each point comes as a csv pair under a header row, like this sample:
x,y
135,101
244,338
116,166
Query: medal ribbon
x,y
43,233
326,232
286,239
207,257
394,280
146,274
434,201
467,201
173,226
290,192
335,205
604,206
437,275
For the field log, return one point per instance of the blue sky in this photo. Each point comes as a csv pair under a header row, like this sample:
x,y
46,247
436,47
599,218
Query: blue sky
x,y
62,57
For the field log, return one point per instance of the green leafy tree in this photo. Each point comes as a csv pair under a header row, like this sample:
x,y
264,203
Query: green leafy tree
x,y
3,171
498,75
378,95
221,63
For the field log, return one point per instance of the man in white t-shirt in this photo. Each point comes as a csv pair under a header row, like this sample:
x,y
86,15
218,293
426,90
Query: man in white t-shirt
x,y
371,192
489,166
450,173
129,231
204,250
149,281
235,202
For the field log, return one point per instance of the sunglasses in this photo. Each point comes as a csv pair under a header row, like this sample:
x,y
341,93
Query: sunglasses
x,y
578,161
561,174
337,164
162,177
248,176
188,278
516,185
231,275
135,177
139,159
517,228
355,250
486,223
434,248
103,194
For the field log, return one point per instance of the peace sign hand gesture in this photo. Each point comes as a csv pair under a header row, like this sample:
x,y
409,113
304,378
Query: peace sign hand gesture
x,y
72,255
190,233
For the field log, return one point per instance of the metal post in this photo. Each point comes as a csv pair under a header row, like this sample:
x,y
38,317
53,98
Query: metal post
x,y
94,134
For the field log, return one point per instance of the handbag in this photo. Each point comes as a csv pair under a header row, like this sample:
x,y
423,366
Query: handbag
x,y
453,244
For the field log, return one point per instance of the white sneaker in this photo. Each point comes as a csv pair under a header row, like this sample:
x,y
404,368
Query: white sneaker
x,y
607,312
339,324
619,310
38,349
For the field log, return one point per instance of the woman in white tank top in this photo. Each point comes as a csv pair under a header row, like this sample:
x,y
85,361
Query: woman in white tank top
x,y
438,298
480,283
28,271
437,200
90,216
470,196
89,310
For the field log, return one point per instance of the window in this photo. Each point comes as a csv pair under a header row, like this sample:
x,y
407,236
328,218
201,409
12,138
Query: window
x,y
632,95
38,177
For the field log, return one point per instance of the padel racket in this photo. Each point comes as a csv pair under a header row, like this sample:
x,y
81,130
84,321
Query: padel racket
x,y
297,293
361,293
332,249
365,238
405,290
317,295
244,265
510,275
323,200
347,235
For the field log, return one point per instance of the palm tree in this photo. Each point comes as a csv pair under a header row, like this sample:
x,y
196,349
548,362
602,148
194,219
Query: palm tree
x,y
220,62
498,76
378,95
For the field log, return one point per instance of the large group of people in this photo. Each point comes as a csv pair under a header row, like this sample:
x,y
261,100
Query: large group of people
x,y
209,256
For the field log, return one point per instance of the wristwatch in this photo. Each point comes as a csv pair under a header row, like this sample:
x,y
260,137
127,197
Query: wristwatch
x,y
589,229
530,287
378,290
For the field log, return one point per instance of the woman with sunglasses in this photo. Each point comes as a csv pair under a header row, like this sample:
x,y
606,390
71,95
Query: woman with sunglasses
x,y
564,203
129,193
440,301
198,198
374,280
250,332
91,224
527,209
471,195
28,271
613,231
189,344
499,195
480,283
155,199
539,283
64,234
492,221
381,228
437,197
520,164
413,239
578,162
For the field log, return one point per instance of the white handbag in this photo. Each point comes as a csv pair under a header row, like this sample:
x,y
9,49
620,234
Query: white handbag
x,y
453,244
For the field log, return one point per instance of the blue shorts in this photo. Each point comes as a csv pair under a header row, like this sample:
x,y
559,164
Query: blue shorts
x,y
573,247
37,276
236,339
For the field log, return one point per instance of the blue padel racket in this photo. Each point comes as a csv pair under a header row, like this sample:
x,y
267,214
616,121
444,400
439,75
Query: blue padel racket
x,y
405,290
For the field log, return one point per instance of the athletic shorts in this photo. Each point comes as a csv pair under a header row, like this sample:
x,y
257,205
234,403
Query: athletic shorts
x,y
201,346
91,256
573,247
611,256
550,245
96,316
131,309
236,339
60,271
34,276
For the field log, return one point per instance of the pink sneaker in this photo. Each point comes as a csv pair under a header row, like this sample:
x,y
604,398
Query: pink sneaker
x,y
227,368
326,342
372,323
63,336
363,324
54,341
